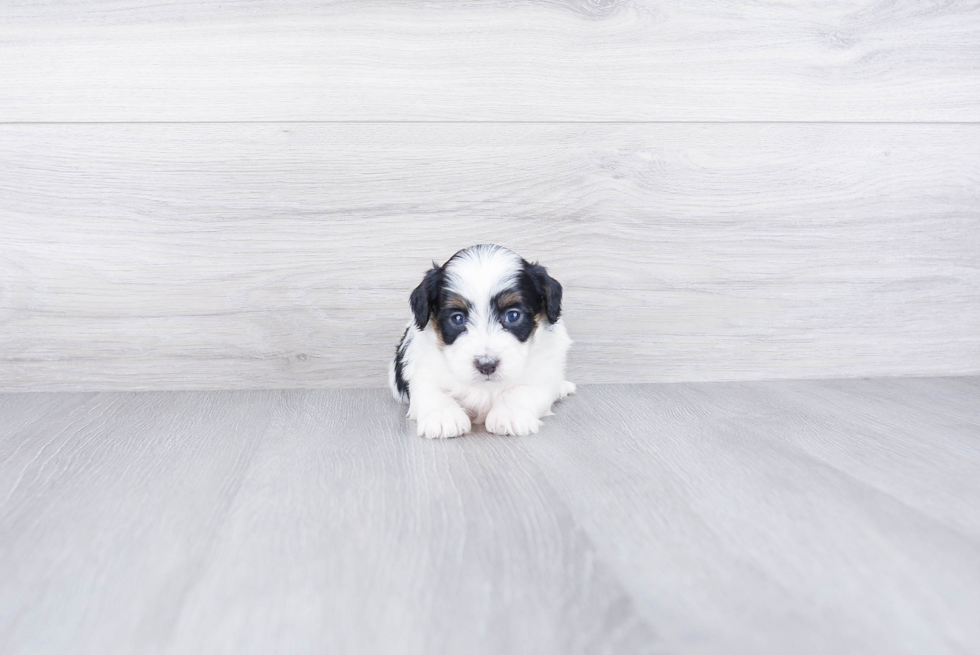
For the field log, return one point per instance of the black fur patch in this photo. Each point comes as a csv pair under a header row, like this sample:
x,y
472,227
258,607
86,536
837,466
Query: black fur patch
x,y
425,297
449,304
514,299
431,301
400,382
541,291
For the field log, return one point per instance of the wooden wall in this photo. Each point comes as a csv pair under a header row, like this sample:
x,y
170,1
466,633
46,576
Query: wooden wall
x,y
241,194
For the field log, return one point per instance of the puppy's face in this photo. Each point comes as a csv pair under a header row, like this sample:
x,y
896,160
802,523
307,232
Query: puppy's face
x,y
485,305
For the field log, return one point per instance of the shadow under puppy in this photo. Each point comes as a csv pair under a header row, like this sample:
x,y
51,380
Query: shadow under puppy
x,y
487,346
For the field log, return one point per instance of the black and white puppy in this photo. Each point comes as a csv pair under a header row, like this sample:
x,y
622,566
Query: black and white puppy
x,y
487,346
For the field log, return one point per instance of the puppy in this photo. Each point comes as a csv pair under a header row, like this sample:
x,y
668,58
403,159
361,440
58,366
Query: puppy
x,y
487,346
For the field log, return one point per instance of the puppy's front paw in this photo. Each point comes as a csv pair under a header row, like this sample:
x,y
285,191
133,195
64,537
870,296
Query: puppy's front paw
x,y
443,423
516,421
567,389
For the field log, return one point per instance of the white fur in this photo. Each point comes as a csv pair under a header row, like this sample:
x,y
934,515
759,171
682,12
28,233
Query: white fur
x,y
447,393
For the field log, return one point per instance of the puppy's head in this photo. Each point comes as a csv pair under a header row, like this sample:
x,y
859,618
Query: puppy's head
x,y
485,305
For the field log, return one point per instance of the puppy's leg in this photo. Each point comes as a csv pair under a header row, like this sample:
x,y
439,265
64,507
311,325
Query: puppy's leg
x,y
437,414
567,389
518,411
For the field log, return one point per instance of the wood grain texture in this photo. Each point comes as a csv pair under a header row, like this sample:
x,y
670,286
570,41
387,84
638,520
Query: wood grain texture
x,y
289,522
257,256
560,60
754,517
165,466
787,516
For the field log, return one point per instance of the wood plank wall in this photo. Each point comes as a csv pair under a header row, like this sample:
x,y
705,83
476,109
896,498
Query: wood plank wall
x,y
241,194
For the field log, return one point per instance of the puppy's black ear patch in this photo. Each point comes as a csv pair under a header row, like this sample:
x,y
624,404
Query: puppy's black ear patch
x,y
425,298
547,288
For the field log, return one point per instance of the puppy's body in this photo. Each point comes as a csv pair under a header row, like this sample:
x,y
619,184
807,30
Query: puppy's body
x,y
487,346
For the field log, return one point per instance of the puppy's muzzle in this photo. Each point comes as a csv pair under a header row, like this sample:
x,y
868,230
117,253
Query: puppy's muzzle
x,y
486,365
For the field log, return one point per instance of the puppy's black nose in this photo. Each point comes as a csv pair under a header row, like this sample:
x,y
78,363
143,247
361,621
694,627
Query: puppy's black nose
x,y
486,365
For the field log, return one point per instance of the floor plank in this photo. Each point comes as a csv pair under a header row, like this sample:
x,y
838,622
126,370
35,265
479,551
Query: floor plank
x,y
567,60
109,511
763,517
350,534
756,535
282,256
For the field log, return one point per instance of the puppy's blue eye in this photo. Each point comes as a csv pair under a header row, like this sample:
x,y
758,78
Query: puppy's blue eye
x,y
457,319
512,316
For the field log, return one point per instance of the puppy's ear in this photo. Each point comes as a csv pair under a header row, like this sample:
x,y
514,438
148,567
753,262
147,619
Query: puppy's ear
x,y
547,287
425,298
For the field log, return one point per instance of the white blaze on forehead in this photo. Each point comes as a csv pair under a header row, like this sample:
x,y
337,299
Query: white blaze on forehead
x,y
481,272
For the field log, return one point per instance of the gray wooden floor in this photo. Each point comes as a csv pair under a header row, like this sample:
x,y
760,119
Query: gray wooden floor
x,y
779,517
